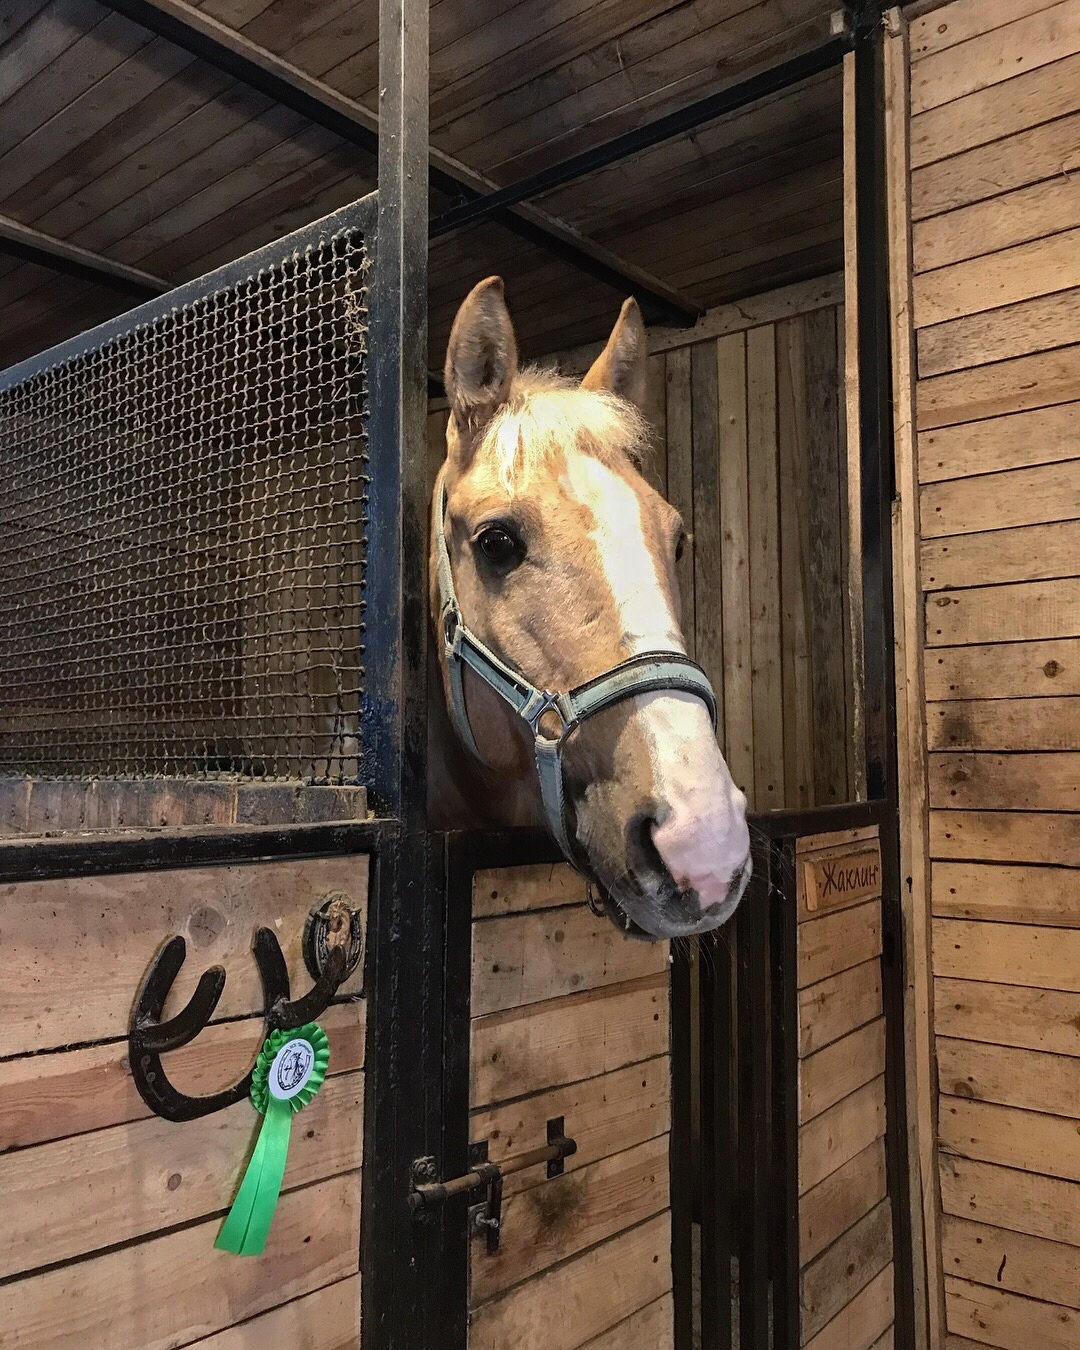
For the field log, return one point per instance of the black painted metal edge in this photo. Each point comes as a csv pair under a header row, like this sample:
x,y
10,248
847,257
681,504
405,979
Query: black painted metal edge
x,y
90,855
680,1151
797,823
784,923
754,1114
716,1196
484,849
452,1156
401,1260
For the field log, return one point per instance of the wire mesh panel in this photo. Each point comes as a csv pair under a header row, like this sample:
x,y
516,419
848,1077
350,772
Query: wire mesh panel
x,y
182,502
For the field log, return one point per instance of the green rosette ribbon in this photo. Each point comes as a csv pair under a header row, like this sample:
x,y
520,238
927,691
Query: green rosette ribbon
x,y
287,1075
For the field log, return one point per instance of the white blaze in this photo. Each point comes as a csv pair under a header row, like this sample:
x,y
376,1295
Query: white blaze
x,y
702,838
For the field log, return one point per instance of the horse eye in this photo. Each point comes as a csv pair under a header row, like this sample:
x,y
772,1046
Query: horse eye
x,y
499,546
680,547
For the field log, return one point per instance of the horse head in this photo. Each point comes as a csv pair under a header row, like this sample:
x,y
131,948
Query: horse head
x,y
555,597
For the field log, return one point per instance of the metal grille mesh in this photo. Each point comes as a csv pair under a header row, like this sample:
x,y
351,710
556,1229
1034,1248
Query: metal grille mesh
x,y
182,539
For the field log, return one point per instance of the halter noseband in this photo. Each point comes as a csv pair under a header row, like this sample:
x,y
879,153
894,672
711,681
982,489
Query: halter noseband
x,y
645,673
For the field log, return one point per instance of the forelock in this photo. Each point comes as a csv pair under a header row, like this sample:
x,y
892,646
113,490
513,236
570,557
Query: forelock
x,y
548,413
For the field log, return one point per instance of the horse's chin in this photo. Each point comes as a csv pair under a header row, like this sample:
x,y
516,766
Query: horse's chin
x,y
659,912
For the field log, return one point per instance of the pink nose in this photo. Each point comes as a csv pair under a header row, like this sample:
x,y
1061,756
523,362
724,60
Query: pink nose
x,y
705,852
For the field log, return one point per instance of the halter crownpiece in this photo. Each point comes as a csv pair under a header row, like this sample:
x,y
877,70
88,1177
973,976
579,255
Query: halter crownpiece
x,y
646,673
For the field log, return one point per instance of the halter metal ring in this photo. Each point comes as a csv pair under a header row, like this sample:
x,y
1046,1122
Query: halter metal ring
x,y
544,701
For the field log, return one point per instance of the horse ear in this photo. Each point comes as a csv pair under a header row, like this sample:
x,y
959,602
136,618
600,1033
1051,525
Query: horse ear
x,y
620,367
481,358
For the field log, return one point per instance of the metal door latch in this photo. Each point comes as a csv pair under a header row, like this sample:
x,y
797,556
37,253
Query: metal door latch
x,y
486,1217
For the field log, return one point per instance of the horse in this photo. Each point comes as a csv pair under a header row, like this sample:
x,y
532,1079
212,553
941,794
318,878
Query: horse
x,y
564,696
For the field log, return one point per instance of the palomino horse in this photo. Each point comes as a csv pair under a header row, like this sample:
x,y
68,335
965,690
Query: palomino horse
x,y
565,676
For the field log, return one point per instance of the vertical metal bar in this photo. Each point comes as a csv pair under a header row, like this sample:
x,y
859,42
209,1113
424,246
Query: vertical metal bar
x,y
875,400
877,466
401,1260
785,1094
454,1149
394,728
681,1162
718,1179
752,962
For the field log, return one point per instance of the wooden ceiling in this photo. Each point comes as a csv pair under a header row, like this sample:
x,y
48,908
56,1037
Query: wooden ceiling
x,y
123,144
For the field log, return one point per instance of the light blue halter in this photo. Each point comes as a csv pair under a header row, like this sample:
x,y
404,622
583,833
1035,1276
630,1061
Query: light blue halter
x,y
645,673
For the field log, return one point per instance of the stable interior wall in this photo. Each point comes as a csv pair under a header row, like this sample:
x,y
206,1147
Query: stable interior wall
x,y
989,606
748,413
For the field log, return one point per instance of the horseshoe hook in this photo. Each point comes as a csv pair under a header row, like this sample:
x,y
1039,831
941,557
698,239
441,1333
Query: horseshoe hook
x,y
149,1037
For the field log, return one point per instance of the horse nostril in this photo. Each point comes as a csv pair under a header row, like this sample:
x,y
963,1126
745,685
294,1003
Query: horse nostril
x,y
739,875
641,851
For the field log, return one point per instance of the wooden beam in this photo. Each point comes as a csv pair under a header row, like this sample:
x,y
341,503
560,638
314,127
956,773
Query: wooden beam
x,y
736,316
911,715
23,241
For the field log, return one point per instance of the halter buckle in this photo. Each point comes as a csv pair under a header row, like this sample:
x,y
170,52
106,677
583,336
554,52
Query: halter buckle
x,y
452,626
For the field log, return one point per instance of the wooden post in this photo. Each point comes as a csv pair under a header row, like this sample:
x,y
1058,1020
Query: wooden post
x,y
911,727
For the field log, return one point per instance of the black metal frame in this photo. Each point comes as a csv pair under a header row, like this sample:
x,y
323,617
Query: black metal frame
x,y
401,1262
466,853
682,1163
88,856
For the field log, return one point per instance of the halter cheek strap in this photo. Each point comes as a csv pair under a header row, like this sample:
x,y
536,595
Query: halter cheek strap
x,y
645,673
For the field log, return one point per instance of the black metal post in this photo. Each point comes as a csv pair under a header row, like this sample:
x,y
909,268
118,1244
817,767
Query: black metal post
x,y
783,941
396,622
681,1169
878,476
453,1148
754,1150
401,1260
717,1156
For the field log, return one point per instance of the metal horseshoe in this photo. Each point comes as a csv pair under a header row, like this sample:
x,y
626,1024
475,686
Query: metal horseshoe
x,y
149,1037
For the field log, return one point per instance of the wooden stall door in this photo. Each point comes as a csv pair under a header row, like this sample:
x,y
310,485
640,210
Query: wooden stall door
x,y
845,1207
110,1213
570,1019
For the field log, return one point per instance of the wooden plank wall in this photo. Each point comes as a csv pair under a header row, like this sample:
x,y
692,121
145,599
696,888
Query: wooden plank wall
x,y
110,1214
34,807
570,1019
751,453
749,445
845,1211
995,238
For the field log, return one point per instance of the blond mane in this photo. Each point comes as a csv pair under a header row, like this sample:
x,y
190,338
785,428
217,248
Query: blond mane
x,y
547,412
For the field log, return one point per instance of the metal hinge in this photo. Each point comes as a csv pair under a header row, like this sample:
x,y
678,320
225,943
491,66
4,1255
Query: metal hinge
x,y
485,1218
